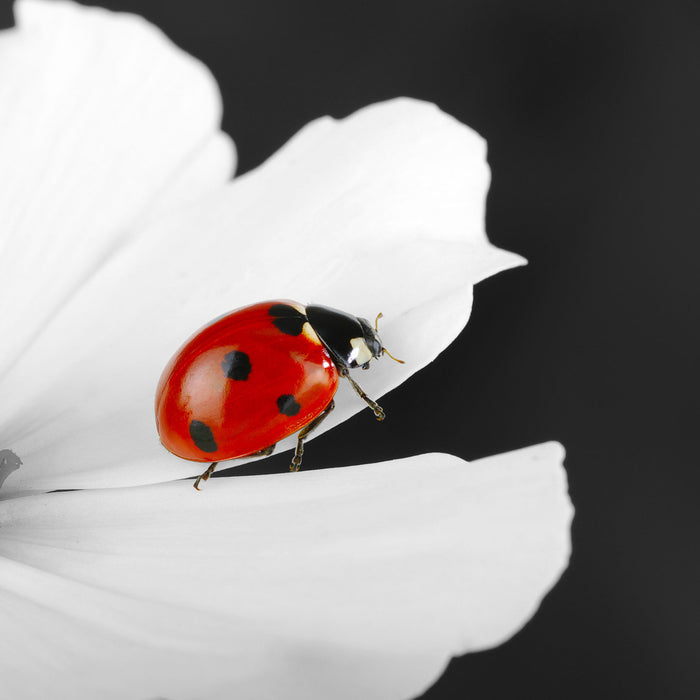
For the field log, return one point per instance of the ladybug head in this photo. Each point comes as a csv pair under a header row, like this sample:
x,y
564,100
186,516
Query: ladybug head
x,y
350,340
373,341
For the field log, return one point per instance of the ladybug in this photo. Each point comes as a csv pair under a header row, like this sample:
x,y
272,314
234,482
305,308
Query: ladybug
x,y
258,374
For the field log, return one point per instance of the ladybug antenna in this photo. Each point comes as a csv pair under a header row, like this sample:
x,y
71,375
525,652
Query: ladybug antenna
x,y
384,350
395,359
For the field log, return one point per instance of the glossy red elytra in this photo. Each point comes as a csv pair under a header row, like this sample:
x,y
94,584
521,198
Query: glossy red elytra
x,y
257,375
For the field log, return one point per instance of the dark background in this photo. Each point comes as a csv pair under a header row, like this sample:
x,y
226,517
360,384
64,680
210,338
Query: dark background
x,y
591,112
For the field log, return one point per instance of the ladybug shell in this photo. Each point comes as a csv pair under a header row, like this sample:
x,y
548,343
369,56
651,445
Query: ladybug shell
x,y
243,383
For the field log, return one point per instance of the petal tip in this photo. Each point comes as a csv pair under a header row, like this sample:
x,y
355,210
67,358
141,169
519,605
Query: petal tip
x,y
43,15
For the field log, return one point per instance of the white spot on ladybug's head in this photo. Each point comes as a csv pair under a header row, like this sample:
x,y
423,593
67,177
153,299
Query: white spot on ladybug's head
x,y
361,354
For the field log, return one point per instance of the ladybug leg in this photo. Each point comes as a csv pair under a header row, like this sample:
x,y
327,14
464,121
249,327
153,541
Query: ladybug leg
x,y
205,475
266,452
299,451
378,410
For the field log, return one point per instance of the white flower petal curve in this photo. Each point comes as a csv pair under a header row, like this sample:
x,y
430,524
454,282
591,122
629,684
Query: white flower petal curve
x,y
382,211
345,583
101,119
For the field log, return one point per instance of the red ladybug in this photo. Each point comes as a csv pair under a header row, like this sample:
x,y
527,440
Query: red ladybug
x,y
257,375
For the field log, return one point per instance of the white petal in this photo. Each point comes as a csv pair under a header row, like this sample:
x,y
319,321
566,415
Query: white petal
x,y
383,211
100,116
345,583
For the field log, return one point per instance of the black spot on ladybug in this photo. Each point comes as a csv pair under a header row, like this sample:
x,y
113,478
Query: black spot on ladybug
x,y
287,318
288,405
236,365
202,436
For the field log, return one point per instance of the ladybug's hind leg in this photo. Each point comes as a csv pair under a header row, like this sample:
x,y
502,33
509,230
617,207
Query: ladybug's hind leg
x,y
299,451
376,408
265,452
205,475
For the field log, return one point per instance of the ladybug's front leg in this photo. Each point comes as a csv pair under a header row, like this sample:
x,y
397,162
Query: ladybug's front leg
x,y
378,410
298,453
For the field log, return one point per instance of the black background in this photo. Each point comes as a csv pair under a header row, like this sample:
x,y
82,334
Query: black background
x,y
591,114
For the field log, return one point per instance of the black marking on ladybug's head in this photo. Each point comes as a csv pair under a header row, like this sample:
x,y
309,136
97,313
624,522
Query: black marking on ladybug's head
x,y
372,339
236,365
350,340
202,436
287,318
287,405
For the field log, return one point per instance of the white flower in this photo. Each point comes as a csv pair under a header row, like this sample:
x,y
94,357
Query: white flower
x,y
121,234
